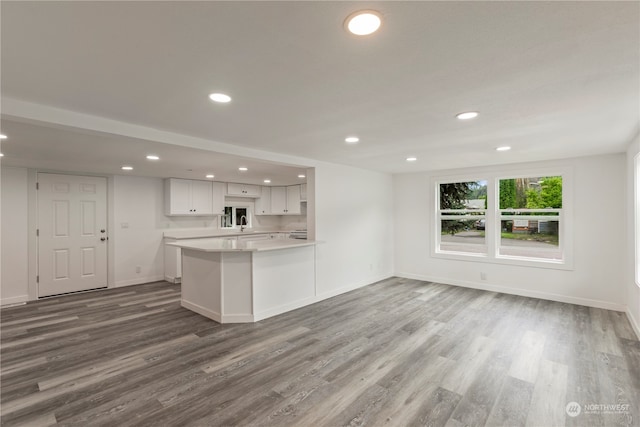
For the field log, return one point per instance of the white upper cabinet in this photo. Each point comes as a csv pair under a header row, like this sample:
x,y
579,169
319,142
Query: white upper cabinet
x,y
263,204
285,200
219,190
303,192
242,190
293,200
188,197
278,200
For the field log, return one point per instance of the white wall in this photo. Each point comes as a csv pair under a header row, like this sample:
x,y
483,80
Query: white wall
x,y
138,226
633,290
599,238
137,223
353,214
14,252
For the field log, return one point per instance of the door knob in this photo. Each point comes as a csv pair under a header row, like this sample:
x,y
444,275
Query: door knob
x,y
103,239
102,231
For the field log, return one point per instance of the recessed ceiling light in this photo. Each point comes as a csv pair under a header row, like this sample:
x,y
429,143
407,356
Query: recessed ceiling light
x,y
127,168
363,22
352,140
243,169
411,159
210,176
503,148
220,97
152,157
3,136
301,176
468,115
267,181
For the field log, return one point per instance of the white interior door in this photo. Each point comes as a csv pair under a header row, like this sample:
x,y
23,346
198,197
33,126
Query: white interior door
x,y
72,233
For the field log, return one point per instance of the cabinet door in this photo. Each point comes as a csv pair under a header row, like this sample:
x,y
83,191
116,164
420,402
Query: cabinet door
x,y
303,192
293,200
201,197
234,189
251,190
263,203
219,189
179,193
278,200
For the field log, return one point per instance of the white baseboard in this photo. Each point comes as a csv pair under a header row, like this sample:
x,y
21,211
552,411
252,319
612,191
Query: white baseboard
x,y
14,300
238,318
521,292
345,289
284,308
634,323
138,281
201,310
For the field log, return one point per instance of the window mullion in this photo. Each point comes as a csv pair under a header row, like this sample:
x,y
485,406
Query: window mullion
x,y
492,222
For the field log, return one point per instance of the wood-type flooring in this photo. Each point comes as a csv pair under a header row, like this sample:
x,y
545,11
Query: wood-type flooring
x,y
396,353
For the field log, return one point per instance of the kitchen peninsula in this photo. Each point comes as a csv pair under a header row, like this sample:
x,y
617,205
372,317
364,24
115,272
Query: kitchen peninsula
x,y
234,281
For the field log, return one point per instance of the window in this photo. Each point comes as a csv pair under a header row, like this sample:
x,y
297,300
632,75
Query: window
x,y
236,216
518,219
462,217
530,211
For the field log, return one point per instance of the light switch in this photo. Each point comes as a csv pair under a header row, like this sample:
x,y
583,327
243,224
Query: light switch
x,y
124,225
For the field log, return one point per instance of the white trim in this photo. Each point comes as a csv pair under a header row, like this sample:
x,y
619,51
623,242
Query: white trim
x,y
636,218
138,281
634,322
494,216
284,308
173,280
20,299
345,289
210,314
239,318
521,292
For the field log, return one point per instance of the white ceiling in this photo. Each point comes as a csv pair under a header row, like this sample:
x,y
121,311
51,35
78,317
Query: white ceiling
x,y
62,149
550,79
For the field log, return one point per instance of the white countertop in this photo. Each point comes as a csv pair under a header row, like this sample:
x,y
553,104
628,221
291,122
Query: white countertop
x,y
218,245
199,233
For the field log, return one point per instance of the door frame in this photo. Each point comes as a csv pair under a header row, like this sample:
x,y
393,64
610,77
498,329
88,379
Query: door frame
x,y
32,221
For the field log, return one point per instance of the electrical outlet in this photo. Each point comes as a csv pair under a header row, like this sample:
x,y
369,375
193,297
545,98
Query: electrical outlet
x,y
138,269
483,276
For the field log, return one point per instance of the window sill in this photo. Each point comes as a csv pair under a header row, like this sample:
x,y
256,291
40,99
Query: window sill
x,y
504,260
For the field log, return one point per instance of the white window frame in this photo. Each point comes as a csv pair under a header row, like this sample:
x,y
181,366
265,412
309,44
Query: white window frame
x,y
233,207
493,219
441,214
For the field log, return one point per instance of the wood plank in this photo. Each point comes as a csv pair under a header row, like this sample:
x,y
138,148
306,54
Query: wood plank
x,y
398,352
527,360
549,398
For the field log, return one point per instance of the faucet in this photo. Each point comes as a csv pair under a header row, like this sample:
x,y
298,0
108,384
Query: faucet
x,y
243,224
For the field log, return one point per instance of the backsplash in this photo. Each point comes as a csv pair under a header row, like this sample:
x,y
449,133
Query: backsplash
x,y
281,222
